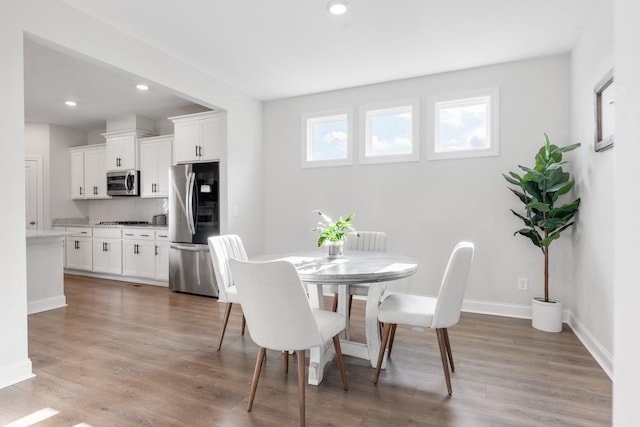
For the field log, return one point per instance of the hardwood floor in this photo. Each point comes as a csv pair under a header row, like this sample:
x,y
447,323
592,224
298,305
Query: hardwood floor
x,y
127,355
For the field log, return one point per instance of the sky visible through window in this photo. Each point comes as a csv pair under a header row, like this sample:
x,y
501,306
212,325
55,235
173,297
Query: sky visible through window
x,y
389,132
462,127
329,138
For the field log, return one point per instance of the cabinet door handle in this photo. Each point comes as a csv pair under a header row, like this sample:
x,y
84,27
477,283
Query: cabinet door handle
x,y
196,151
81,190
104,247
76,244
156,249
95,191
200,150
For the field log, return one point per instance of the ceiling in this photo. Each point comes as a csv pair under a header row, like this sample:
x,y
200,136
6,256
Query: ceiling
x,y
283,48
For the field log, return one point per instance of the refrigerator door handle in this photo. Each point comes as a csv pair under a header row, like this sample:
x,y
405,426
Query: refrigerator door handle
x,y
190,185
190,247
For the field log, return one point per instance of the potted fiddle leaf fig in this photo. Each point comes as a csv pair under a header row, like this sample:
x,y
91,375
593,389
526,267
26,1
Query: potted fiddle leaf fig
x,y
545,217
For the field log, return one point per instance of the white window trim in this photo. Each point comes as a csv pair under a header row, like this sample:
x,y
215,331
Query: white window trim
x,y
414,156
305,147
493,120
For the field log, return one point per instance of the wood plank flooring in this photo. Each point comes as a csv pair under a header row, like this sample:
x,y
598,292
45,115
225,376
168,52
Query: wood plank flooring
x,y
128,355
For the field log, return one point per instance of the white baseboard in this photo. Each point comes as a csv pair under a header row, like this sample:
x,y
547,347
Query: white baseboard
x,y
593,346
16,373
46,304
129,279
597,350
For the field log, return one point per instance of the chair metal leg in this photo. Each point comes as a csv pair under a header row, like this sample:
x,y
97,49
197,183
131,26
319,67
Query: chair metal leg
x,y
301,385
350,304
385,337
340,360
244,324
391,338
256,376
445,363
448,345
227,311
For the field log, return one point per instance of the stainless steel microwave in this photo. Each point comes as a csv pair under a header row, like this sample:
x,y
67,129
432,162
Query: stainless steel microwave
x,y
123,183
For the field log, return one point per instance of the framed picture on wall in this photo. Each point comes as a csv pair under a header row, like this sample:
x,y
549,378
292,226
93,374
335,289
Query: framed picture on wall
x,y
604,96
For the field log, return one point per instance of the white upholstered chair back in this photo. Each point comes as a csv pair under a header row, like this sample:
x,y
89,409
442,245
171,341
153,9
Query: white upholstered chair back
x,y
367,241
452,288
276,307
222,248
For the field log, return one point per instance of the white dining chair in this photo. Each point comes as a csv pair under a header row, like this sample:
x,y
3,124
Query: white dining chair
x,y
438,313
221,249
375,241
279,317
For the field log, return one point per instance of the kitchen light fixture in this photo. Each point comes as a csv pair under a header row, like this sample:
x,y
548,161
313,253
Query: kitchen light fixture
x,y
70,103
337,7
142,87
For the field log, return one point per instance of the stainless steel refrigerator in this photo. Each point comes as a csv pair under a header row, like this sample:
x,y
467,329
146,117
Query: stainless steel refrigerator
x,y
193,217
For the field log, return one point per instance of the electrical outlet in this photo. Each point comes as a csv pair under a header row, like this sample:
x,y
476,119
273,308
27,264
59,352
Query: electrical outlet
x,y
523,284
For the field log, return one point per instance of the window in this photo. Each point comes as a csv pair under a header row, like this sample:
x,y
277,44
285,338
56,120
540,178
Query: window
x,y
390,132
463,125
326,138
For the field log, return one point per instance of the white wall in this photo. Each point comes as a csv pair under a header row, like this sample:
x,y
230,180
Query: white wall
x,y
61,138
625,212
425,207
592,295
86,36
14,361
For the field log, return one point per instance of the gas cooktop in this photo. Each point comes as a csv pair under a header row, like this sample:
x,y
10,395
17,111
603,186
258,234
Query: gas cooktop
x,y
123,222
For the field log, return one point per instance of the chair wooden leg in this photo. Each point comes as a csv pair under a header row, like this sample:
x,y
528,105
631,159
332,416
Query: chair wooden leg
x,y
340,360
448,345
445,363
350,304
391,338
285,354
256,376
385,337
227,311
301,385
244,324
334,307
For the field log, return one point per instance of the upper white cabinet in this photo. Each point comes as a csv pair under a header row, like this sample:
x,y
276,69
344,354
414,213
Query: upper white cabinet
x,y
88,172
155,160
199,137
122,149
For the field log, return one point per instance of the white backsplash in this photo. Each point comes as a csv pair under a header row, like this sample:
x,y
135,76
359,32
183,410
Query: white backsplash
x,y
125,209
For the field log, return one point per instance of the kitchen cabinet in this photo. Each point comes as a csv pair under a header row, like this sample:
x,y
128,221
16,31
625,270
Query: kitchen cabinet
x,y
199,137
107,250
78,249
162,255
155,160
89,172
139,253
122,149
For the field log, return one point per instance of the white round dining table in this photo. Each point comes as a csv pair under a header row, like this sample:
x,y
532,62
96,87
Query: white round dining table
x,y
370,268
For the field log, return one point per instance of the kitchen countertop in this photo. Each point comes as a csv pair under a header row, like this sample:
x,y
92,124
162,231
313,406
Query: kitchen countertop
x,y
45,234
150,226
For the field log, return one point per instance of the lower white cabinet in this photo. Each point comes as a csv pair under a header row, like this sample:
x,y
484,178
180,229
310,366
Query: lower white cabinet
x,y
162,255
78,249
139,253
125,252
107,250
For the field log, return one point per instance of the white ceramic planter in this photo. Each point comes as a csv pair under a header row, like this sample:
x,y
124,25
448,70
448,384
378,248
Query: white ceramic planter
x,y
546,316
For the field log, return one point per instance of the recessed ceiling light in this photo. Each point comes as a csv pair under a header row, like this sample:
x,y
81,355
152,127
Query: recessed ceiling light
x,y
142,87
337,7
70,103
